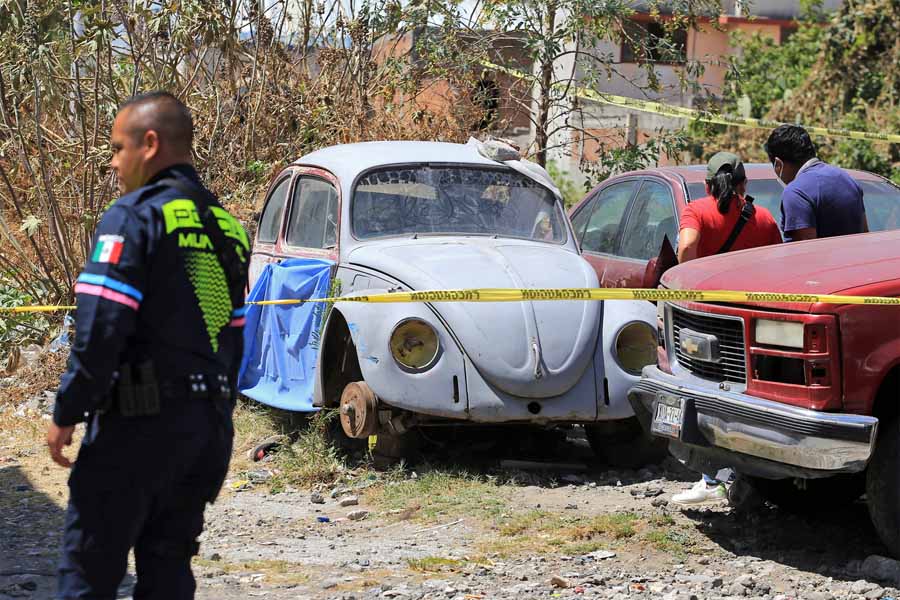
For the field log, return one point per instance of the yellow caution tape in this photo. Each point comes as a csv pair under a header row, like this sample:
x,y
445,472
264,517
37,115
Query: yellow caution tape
x,y
702,116
539,295
554,294
34,309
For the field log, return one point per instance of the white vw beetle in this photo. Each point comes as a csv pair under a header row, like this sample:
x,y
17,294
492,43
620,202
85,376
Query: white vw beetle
x,y
418,216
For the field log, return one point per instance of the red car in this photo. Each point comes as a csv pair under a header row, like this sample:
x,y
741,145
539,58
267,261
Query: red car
x,y
800,397
620,225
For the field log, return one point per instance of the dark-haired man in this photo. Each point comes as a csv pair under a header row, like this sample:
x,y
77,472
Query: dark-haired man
x,y
819,200
152,370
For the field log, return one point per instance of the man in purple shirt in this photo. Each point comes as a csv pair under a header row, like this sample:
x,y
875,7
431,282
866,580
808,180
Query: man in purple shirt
x,y
819,200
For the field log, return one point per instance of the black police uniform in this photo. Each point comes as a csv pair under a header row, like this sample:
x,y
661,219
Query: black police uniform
x,y
154,299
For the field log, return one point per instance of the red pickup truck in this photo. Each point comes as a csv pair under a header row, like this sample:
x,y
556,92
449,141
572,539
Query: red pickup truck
x,y
800,398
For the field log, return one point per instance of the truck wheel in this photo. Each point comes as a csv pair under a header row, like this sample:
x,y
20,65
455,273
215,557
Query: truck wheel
x,y
624,444
883,486
817,495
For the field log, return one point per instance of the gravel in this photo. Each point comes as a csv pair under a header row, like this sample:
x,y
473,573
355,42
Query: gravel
x,y
260,544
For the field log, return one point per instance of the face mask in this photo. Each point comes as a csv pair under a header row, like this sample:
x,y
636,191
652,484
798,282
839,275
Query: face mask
x,y
778,176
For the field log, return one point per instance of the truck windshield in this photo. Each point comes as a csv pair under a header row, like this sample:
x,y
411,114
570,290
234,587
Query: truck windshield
x,y
429,200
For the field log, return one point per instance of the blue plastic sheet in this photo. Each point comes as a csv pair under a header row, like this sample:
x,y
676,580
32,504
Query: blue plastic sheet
x,y
281,343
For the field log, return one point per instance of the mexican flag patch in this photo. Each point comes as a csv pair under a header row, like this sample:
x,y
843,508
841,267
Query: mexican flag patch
x,y
109,249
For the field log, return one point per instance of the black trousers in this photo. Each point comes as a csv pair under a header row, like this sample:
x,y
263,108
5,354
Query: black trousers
x,y
143,483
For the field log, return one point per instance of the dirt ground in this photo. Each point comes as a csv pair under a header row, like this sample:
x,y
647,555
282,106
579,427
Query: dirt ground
x,y
463,527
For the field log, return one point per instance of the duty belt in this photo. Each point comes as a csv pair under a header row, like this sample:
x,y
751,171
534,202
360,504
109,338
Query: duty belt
x,y
198,386
138,394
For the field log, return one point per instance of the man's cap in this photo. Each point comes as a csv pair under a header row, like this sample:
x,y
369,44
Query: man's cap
x,y
721,159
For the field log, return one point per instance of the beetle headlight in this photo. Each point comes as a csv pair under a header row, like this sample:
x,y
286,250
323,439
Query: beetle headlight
x,y
779,333
415,345
635,347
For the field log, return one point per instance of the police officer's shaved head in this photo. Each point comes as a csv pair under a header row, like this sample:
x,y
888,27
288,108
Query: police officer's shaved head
x,y
152,132
163,113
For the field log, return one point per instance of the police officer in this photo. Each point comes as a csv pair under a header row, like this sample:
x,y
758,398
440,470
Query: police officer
x,y
153,365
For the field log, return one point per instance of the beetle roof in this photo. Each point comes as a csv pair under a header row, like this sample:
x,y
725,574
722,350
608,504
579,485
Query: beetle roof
x,y
347,161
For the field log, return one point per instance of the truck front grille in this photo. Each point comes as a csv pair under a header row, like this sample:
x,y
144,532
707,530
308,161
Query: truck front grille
x,y
732,365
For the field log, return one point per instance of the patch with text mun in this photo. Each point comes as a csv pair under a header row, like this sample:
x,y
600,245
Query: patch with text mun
x,y
109,249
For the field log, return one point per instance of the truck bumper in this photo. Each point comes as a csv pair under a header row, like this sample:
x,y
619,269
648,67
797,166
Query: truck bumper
x,y
711,428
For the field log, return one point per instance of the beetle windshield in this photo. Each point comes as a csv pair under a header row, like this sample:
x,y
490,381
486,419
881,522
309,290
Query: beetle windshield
x,y
427,200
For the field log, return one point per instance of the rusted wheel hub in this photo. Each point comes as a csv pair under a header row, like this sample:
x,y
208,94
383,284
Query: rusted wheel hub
x,y
358,417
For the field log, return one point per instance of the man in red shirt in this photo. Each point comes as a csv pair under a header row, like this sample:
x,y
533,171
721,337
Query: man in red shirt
x,y
723,221
708,223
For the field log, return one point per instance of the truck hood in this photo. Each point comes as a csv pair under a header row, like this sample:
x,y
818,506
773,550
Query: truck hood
x,y
527,349
826,266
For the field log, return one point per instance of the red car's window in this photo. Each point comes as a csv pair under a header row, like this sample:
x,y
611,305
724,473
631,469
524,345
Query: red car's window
x,y
652,219
607,213
882,205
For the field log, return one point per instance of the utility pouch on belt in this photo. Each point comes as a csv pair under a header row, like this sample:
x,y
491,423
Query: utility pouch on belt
x,y
137,392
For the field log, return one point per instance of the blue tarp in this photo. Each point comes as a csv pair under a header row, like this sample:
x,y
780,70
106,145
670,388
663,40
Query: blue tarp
x,y
281,343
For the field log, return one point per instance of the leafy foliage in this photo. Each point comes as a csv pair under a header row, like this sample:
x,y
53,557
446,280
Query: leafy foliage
x,y
21,329
618,158
766,72
571,193
843,74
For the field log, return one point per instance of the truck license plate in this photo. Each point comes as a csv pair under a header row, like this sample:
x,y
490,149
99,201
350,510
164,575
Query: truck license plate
x,y
669,416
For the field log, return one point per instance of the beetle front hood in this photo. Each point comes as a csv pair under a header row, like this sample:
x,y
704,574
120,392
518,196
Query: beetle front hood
x,y
527,349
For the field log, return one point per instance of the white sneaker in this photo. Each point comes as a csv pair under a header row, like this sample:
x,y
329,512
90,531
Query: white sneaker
x,y
702,493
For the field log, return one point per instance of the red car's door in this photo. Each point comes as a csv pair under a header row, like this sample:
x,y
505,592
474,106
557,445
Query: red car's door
x,y
650,219
598,223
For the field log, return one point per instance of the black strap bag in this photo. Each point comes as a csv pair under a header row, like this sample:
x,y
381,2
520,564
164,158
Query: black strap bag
x,y
747,212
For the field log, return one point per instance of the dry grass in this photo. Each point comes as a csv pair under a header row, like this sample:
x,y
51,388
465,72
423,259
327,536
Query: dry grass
x,y
539,531
253,423
435,564
312,459
35,378
272,571
440,495
307,456
671,541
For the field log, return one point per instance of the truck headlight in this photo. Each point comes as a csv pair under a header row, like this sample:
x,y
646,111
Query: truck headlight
x,y
788,334
635,347
415,345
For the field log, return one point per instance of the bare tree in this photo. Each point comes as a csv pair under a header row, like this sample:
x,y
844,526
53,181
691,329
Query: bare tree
x,y
266,82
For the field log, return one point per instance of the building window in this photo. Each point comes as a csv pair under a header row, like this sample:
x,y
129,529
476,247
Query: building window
x,y
650,42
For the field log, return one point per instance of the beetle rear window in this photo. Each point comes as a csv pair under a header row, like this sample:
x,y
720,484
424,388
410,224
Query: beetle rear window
x,y
455,200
